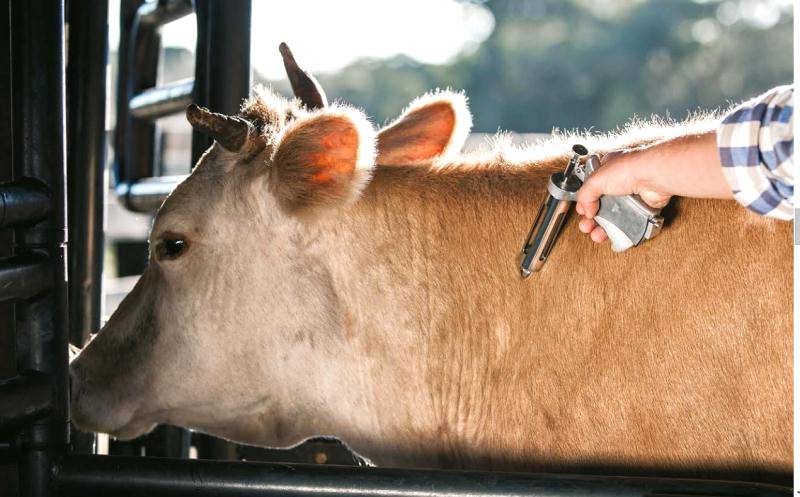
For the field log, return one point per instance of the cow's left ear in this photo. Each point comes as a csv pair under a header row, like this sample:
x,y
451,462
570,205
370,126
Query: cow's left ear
x,y
322,159
433,126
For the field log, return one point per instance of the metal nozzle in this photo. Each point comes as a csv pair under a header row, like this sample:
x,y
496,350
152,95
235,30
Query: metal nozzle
x,y
579,151
551,215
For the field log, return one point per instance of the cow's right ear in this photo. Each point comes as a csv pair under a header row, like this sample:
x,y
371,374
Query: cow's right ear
x,y
322,159
432,127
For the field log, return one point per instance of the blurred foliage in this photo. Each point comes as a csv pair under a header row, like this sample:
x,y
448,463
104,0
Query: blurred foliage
x,y
582,63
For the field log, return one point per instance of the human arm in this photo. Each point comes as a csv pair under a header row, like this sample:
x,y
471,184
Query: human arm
x,y
748,157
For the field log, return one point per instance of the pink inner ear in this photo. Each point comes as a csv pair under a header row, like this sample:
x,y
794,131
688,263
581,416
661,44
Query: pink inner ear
x,y
419,136
337,156
316,161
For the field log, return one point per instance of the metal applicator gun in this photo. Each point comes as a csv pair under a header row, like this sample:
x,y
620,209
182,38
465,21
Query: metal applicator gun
x,y
626,219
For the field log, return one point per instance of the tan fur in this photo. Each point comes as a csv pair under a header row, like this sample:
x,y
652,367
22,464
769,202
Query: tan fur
x,y
671,356
401,324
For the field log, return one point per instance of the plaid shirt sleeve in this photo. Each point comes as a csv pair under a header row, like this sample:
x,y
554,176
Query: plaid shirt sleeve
x,y
756,148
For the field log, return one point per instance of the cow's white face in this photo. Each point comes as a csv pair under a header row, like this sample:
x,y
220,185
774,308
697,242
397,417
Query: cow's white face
x,y
234,328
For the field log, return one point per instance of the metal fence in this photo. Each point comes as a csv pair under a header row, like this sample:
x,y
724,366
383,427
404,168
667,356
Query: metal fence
x,y
51,170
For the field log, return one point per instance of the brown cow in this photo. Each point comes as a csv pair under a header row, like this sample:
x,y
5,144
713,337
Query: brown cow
x,y
297,289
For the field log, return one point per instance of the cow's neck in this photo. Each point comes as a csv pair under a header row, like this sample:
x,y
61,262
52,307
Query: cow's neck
x,y
415,263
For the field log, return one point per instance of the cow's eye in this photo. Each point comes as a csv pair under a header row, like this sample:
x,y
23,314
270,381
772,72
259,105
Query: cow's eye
x,y
170,248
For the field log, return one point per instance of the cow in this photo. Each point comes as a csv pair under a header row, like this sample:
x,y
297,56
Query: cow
x,y
315,277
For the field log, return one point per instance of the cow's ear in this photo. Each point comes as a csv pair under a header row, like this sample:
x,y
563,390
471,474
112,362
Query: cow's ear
x,y
322,159
433,126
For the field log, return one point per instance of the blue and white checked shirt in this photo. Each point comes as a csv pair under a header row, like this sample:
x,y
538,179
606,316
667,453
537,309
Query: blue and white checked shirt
x,y
756,147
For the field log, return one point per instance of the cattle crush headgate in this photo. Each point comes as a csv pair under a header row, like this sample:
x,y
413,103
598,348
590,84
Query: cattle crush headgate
x,y
51,203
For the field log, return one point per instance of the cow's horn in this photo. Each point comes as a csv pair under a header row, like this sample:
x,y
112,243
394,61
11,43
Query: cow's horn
x,y
304,85
230,132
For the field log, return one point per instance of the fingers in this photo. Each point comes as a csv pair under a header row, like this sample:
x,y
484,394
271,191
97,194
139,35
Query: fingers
x,y
586,225
595,232
598,235
588,209
610,179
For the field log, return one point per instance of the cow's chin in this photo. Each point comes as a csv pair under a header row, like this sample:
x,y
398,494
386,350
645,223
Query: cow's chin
x,y
132,430
128,431
116,424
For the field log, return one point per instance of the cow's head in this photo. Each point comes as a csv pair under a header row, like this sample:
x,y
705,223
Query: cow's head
x,y
233,327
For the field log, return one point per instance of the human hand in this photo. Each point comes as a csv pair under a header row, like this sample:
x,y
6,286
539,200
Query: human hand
x,y
622,173
686,165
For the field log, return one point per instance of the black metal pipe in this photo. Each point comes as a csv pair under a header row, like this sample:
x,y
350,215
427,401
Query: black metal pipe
x,y
122,132
24,275
22,202
86,158
130,476
161,101
223,40
6,453
156,14
37,60
147,194
24,399
135,141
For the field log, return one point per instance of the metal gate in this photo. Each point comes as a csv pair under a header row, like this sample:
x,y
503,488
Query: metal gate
x,y
50,170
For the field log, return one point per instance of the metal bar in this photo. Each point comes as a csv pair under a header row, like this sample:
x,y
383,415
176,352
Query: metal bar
x,y
86,158
24,399
6,453
24,275
223,40
157,14
135,143
22,202
128,10
147,194
86,179
129,476
37,59
161,101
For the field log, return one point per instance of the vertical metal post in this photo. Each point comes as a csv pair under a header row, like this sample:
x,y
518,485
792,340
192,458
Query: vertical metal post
x,y
134,141
8,473
86,153
86,188
222,68
37,51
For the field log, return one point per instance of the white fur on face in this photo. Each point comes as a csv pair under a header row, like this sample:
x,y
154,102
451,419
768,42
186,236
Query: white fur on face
x,y
243,322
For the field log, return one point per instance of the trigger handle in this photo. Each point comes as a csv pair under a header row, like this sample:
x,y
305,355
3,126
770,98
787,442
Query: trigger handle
x,y
619,240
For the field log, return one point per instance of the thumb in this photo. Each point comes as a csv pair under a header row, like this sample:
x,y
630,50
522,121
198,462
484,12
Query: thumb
x,y
610,179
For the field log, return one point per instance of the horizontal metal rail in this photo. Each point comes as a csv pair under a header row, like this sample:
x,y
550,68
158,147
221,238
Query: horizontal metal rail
x,y
22,202
24,276
161,101
24,399
101,476
147,194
